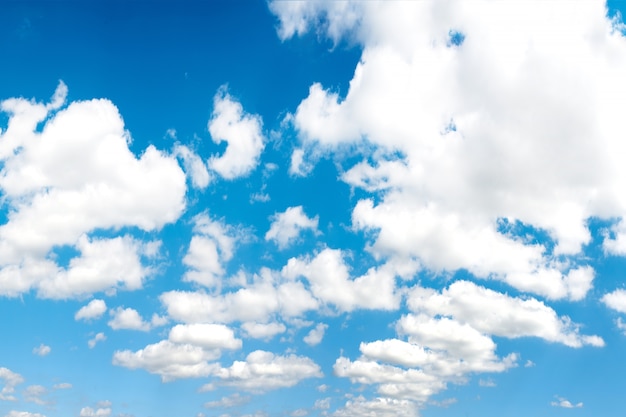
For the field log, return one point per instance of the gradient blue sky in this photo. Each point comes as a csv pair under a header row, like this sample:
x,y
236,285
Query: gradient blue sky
x,y
320,208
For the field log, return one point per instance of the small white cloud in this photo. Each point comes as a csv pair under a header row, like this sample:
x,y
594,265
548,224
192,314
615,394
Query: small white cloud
x,y
316,335
263,330
529,364
241,131
563,403
615,300
128,319
227,402
42,350
488,383
62,385
10,379
99,412
95,309
195,168
97,338
322,388
287,226
300,412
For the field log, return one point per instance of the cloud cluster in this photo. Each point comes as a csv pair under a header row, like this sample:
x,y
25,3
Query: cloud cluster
x,y
66,172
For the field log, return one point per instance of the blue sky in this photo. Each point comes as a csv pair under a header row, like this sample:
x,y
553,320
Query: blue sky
x,y
312,208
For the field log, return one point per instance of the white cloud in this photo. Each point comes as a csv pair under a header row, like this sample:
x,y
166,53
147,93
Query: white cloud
x,y
227,402
94,310
103,264
263,330
380,407
330,282
90,412
42,350
207,336
14,413
487,383
263,371
485,131
127,319
211,246
498,314
195,168
615,300
287,226
241,131
56,198
99,337
10,380
170,360
315,336
62,385
563,403
257,302
34,394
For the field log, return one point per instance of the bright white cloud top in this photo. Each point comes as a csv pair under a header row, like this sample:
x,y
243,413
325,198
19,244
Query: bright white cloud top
x,y
313,208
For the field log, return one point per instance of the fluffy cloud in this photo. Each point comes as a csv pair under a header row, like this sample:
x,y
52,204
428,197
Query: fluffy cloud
x,y
170,360
57,198
384,407
95,309
99,412
242,132
615,300
329,278
129,319
42,350
263,330
208,336
10,379
491,129
228,402
14,413
211,246
287,226
315,336
195,168
256,301
99,337
563,403
494,313
263,371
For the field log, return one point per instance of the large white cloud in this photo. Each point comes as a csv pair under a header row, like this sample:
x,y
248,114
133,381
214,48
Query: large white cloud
x,y
242,132
497,314
68,177
494,127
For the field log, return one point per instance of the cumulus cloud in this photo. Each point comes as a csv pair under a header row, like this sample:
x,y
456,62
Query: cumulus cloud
x,y
128,319
315,336
263,330
256,301
98,412
563,403
498,314
195,168
99,337
14,413
208,336
42,350
242,132
68,178
170,360
211,246
384,407
287,226
10,380
491,131
263,371
615,300
94,310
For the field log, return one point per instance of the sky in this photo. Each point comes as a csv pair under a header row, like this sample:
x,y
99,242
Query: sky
x,y
312,208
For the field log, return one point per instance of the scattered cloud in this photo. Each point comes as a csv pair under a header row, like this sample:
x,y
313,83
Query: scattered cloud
x,y
563,403
615,300
94,310
127,319
233,400
287,226
315,336
99,337
42,350
11,380
242,132
98,412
